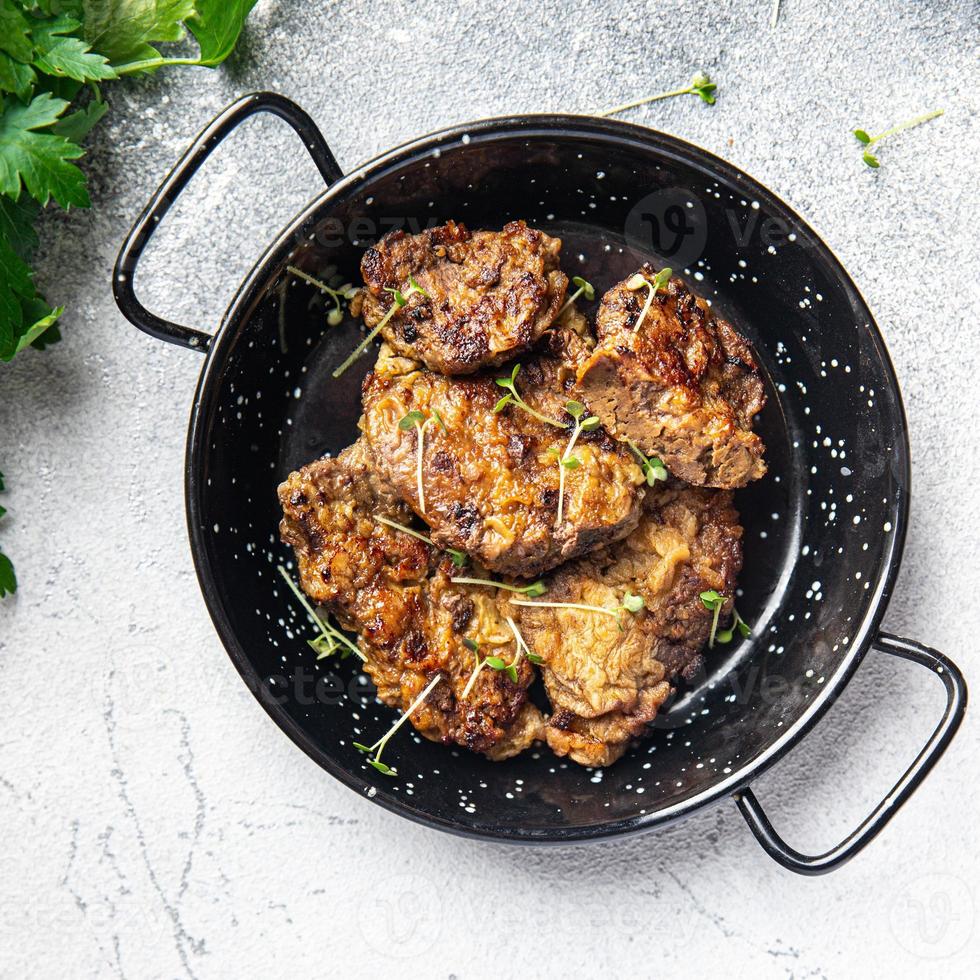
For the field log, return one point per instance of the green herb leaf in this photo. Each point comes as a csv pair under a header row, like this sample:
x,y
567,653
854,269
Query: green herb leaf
x,y
414,287
502,404
661,279
40,160
67,56
575,409
125,30
471,644
538,588
862,136
216,25
870,159
533,657
591,423
458,557
712,599
76,125
511,672
496,662
382,768
572,463
632,603
438,418
408,422
587,289
744,628
15,33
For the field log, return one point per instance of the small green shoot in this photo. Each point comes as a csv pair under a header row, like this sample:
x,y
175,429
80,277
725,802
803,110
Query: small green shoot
x,y
534,589
867,141
566,461
513,398
713,601
379,746
400,300
700,85
582,288
420,422
330,638
631,604
653,468
458,557
338,296
638,281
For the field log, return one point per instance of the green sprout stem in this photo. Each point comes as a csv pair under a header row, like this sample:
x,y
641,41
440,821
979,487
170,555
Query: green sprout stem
x,y
581,287
713,601
379,746
653,468
458,557
867,141
363,345
638,281
565,461
337,295
478,665
534,589
631,604
700,85
512,397
332,637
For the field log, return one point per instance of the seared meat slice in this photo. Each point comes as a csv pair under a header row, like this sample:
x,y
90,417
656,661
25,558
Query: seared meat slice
x,y
606,684
488,295
490,486
684,386
394,591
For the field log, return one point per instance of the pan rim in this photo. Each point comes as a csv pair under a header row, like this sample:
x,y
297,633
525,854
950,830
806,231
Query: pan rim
x,y
567,126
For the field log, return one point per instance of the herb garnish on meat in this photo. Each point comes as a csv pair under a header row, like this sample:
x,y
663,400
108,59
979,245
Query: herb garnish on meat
x,y
653,468
566,461
534,589
638,281
420,422
458,557
713,601
514,398
631,604
581,288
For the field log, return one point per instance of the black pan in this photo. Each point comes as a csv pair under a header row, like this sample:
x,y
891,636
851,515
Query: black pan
x,y
824,530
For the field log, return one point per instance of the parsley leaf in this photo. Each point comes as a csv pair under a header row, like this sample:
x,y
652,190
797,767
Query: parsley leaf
x,y
69,56
125,30
216,25
40,160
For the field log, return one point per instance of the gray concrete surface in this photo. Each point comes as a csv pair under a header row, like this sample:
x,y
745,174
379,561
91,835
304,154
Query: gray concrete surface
x,y
155,823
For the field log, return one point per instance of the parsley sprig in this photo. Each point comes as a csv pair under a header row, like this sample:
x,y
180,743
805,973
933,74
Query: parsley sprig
x,y
700,85
54,59
862,137
339,296
400,299
513,398
379,746
713,601
330,639
420,422
566,461
458,557
653,468
638,281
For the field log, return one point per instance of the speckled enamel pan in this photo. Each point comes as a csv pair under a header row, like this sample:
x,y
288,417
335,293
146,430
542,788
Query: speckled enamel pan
x,y
823,531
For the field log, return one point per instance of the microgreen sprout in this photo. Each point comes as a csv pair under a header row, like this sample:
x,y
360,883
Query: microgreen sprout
x,y
566,461
631,604
638,281
713,601
379,746
345,292
700,85
534,589
653,468
862,137
420,422
512,397
400,300
478,665
458,557
330,638
582,288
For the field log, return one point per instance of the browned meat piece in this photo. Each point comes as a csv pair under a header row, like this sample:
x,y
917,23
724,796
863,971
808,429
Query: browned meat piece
x,y
488,295
684,386
490,486
394,590
606,684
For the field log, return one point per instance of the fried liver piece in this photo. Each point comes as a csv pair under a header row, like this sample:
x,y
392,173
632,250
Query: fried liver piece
x,y
684,386
395,592
490,485
606,684
487,295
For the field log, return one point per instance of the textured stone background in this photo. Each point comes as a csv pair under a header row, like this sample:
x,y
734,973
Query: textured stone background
x,y
155,823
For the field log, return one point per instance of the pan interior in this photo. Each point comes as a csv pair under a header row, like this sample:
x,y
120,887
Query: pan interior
x,y
821,529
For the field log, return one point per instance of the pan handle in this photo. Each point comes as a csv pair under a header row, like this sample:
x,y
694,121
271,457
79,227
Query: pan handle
x,y
124,274
956,698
